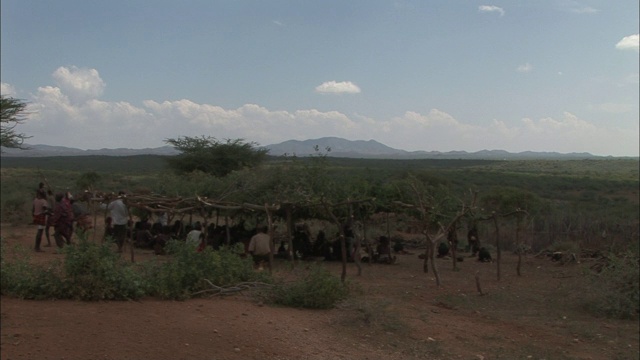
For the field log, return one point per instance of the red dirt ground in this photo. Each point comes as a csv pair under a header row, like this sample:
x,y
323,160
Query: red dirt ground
x,y
396,312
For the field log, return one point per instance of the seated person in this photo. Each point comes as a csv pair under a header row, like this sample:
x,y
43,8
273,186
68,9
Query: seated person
x,y
383,251
195,237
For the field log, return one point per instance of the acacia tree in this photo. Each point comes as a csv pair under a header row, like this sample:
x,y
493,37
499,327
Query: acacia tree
x,y
509,203
12,113
429,202
211,156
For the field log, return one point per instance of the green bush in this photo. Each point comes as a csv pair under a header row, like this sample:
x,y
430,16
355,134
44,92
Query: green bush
x,y
94,272
316,289
565,246
185,272
616,288
20,278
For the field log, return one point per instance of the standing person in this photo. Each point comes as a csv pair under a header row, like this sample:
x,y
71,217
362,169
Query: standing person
x,y
40,212
260,246
52,204
120,218
48,196
62,221
81,216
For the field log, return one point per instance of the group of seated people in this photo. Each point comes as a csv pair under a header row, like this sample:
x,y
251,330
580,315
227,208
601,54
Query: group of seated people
x,y
145,235
155,236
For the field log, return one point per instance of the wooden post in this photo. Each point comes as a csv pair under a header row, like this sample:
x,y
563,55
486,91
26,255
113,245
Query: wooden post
x,y
478,283
226,225
356,240
427,251
343,251
434,268
131,238
452,237
498,252
289,233
518,246
271,237
367,243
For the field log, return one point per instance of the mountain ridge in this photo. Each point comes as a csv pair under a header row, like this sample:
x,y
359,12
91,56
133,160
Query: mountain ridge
x,y
329,146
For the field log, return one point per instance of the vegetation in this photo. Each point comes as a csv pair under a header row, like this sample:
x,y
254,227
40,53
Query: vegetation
x,y
571,206
185,272
616,287
208,155
89,272
12,113
315,289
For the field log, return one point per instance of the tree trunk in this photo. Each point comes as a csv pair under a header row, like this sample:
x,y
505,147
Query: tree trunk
x,y
427,255
433,262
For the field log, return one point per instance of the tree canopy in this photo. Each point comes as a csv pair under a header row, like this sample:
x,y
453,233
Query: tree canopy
x,y
12,113
211,156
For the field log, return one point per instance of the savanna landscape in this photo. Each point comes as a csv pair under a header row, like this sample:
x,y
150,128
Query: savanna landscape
x,y
562,282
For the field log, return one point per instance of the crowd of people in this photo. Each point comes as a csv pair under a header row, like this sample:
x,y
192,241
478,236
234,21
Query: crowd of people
x,y
67,216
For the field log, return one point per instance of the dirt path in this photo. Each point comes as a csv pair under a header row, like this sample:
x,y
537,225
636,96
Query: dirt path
x,y
396,312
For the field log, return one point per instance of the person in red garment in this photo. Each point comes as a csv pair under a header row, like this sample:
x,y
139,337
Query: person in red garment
x,y
62,220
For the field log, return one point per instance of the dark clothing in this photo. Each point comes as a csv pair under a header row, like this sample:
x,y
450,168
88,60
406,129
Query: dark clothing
x,y
120,234
62,220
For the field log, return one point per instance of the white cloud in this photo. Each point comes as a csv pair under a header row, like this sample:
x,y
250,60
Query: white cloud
x,y
333,87
79,84
491,8
613,108
630,42
524,68
576,7
584,10
94,124
633,78
7,90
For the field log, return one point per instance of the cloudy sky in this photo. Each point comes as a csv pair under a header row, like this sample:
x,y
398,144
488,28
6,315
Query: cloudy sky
x,y
516,75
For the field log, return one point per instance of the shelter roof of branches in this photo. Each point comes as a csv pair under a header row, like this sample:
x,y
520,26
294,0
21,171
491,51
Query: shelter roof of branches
x,y
157,204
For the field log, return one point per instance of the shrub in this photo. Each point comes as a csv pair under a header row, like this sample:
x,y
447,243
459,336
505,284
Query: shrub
x,y
94,272
616,289
22,279
565,246
316,289
184,273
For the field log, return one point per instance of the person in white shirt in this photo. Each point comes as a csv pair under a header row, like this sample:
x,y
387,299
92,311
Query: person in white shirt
x,y
260,246
195,236
120,219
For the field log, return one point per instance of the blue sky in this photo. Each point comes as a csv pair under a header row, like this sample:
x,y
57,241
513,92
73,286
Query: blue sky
x,y
547,75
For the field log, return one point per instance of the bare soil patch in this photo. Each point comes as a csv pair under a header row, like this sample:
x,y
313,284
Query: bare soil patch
x,y
395,312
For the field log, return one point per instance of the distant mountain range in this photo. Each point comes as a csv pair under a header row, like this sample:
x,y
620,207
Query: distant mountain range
x,y
331,146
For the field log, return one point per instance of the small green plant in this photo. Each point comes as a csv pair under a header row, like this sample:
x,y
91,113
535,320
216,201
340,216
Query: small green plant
x,y
373,313
317,288
565,246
